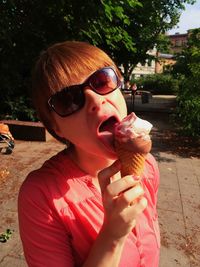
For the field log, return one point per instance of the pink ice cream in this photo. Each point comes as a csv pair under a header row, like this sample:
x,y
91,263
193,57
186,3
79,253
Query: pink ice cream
x,y
132,133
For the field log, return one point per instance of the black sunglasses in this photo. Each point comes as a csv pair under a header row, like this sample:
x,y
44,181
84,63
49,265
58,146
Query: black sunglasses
x,y
72,98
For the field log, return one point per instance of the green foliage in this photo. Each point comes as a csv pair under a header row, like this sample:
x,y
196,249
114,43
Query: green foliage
x,y
158,84
188,109
5,236
19,108
125,29
188,114
187,63
163,43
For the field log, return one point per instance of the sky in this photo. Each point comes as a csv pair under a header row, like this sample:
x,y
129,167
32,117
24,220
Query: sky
x,y
190,19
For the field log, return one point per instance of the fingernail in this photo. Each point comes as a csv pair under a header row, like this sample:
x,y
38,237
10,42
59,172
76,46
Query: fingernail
x,y
136,178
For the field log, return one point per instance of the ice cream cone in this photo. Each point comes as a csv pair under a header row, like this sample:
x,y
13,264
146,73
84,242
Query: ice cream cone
x,y
131,163
132,144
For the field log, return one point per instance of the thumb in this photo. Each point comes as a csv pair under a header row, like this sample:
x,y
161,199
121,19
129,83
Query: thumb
x,y
105,175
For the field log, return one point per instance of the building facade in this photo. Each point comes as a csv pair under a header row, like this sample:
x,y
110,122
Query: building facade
x,y
156,65
160,60
178,42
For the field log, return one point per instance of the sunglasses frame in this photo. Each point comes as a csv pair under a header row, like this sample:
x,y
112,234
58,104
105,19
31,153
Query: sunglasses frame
x,y
80,87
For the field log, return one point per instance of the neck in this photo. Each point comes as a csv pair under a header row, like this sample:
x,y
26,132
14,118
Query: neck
x,y
92,164
89,163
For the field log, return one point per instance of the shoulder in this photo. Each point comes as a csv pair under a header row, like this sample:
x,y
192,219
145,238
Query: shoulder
x,y
58,181
44,181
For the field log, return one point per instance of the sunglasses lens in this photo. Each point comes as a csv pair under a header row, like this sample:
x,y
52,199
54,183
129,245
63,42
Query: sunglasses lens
x,y
68,101
104,81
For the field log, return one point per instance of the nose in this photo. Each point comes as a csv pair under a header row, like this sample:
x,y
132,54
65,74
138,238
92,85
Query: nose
x,y
94,101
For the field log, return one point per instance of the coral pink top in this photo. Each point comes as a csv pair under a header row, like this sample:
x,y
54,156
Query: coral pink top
x,y
61,213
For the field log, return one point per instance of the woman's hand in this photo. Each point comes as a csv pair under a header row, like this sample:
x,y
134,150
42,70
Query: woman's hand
x,y
123,201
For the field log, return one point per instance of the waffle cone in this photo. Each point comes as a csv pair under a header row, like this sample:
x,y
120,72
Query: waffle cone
x,y
131,163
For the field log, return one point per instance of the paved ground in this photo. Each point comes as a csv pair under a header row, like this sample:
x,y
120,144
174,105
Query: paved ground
x,y
179,194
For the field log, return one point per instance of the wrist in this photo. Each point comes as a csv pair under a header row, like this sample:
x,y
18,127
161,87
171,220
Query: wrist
x,y
111,238
106,250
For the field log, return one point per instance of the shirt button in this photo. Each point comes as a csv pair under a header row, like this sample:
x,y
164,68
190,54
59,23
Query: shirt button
x,y
138,243
142,255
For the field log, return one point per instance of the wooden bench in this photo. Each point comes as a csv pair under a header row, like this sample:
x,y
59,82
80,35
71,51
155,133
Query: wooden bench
x,y
26,130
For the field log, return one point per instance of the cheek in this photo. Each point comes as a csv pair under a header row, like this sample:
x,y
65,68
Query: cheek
x,y
63,127
70,129
120,103
123,104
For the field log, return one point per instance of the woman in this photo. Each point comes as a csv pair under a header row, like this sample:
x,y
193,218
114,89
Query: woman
x,y
76,209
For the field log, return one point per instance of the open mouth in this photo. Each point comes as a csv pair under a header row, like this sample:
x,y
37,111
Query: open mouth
x,y
108,125
106,132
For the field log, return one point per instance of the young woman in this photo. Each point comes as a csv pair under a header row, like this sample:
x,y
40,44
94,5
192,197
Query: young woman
x,y
76,210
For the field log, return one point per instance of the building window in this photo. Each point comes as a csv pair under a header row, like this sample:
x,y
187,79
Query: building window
x,y
184,43
177,43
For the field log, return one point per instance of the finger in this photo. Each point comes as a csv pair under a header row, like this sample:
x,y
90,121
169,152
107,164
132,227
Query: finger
x,y
130,213
130,197
138,207
118,187
105,175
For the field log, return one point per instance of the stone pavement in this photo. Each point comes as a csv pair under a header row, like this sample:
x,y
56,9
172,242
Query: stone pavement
x,y
178,203
179,194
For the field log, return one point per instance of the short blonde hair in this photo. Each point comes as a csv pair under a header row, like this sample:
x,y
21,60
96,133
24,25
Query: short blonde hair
x,y
61,65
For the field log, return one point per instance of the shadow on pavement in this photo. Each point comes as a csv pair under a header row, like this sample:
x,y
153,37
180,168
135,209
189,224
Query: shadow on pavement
x,y
165,135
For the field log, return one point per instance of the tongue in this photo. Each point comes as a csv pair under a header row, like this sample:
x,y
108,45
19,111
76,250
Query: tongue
x,y
107,133
108,126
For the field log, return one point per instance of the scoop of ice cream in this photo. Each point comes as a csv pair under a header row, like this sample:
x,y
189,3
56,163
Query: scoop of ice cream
x,y
133,133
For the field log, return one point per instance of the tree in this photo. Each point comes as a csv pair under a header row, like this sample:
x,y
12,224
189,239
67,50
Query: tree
x,y
126,29
187,62
187,70
145,24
